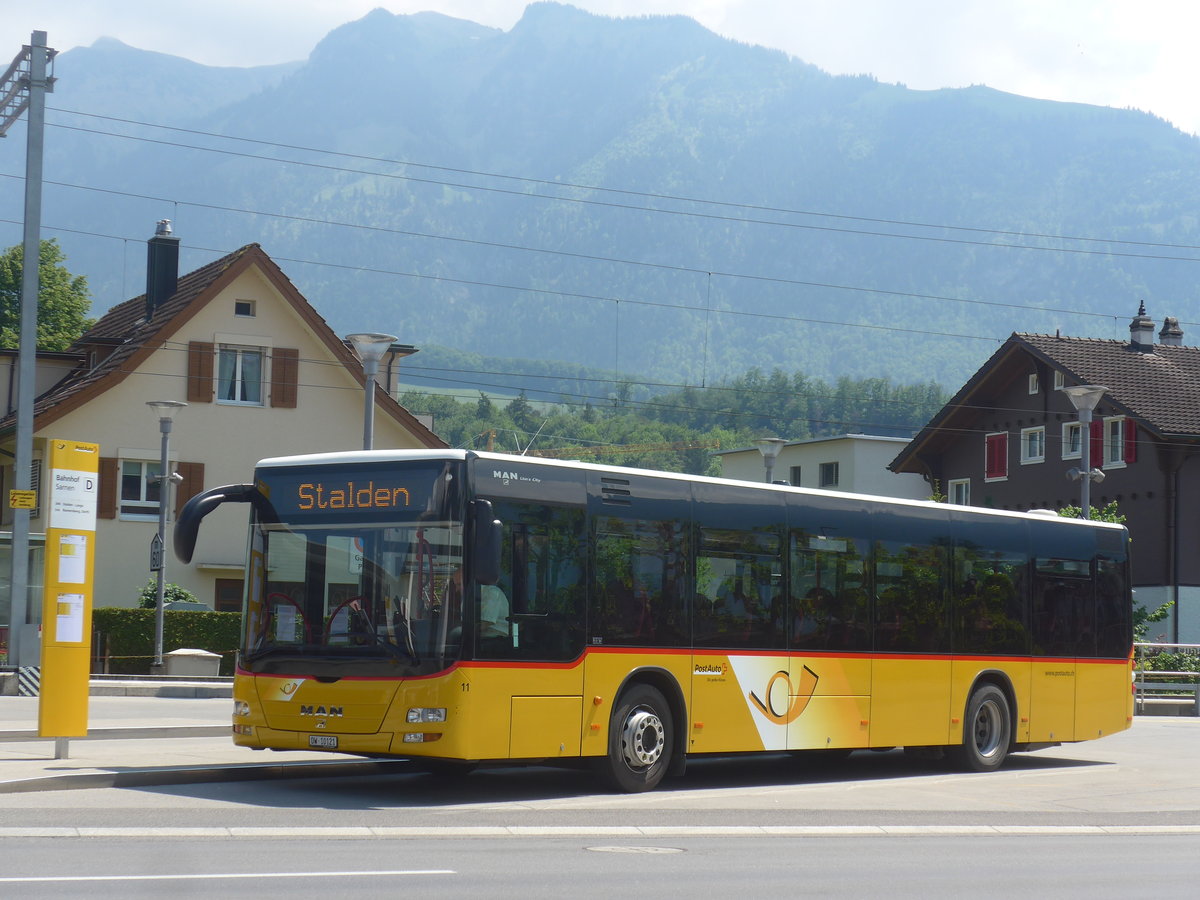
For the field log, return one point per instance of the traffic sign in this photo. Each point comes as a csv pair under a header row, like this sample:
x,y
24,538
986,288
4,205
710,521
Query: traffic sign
x,y
156,553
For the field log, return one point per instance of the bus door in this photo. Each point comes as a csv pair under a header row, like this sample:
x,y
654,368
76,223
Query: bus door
x,y
1063,627
639,615
529,633
741,676
911,672
1063,606
829,630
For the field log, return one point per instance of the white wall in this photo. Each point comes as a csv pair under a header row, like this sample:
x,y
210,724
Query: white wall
x,y
862,465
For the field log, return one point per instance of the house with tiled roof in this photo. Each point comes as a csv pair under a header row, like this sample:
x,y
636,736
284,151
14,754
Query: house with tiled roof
x,y
262,375
1011,438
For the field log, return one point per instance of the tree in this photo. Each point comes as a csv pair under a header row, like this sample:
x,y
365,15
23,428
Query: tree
x,y
63,299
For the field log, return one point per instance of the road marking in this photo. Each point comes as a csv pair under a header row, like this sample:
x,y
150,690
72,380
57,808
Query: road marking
x,y
654,831
57,879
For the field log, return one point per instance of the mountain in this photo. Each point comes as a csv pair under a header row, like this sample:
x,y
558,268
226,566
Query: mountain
x,y
635,195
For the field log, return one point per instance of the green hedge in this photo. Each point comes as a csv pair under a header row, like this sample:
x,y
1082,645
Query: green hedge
x,y
127,636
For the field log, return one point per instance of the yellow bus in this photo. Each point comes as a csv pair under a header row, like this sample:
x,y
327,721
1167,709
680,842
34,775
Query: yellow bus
x,y
464,608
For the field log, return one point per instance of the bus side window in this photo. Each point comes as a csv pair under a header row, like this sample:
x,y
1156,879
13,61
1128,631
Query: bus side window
x,y
1064,608
828,593
640,578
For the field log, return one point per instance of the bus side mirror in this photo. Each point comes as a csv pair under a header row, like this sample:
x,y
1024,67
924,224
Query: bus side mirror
x,y
187,525
488,531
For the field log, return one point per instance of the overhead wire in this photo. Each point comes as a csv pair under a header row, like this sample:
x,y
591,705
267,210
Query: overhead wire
x,y
601,189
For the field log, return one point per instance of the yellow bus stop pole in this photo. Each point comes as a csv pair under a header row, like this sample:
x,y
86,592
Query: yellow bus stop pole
x,y
67,592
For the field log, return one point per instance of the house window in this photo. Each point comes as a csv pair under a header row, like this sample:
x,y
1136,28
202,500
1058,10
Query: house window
x,y
794,476
243,308
1033,445
996,456
240,375
829,474
1033,383
960,491
1072,440
1120,441
228,596
1060,381
139,489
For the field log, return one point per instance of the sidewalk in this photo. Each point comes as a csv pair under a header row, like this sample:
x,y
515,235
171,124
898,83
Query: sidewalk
x,y
148,733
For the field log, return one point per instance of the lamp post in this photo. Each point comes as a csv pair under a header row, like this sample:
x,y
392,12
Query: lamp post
x,y
1084,398
769,447
370,348
158,559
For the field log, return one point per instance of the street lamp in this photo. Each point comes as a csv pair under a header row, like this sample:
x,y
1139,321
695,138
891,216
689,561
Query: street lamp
x,y
370,348
158,559
769,447
1084,398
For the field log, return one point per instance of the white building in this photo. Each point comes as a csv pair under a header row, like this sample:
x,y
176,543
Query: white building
x,y
856,463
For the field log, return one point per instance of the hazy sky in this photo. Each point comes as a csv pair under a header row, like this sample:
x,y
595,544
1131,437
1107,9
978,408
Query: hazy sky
x,y
1138,53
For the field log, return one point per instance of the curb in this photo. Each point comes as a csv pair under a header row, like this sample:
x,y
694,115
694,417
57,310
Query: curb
x,y
202,775
120,734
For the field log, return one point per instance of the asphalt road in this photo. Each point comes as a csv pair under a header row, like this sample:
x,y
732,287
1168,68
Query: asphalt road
x,y
1104,818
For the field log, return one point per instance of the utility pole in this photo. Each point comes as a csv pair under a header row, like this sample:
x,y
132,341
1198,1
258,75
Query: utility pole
x,y
24,87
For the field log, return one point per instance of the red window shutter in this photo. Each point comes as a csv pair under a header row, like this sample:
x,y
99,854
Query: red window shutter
x,y
996,463
1096,444
106,494
1130,452
192,484
200,372
285,366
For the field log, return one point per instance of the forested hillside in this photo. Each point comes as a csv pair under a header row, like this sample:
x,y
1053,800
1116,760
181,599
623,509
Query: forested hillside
x,y
634,195
679,431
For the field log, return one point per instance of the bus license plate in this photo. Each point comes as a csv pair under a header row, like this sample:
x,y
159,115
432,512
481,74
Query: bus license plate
x,y
323,741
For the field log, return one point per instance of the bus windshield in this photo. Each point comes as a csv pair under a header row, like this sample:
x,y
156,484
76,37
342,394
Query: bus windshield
x,y
355,572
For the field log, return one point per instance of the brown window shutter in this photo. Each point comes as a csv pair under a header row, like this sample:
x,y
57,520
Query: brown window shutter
x,y
200,372
285,365
106,499
1130,450
192,484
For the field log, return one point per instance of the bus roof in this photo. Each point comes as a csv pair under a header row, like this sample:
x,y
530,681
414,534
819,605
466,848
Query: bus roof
x,y
348,457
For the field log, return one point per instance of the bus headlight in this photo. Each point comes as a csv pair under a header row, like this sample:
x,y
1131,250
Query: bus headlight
x,y
426,714
241,708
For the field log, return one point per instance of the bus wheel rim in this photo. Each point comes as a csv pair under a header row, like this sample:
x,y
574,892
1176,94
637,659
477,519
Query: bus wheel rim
x,y
988,729
642,739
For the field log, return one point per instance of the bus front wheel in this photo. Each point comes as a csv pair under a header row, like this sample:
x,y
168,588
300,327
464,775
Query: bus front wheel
x,y
640,740
987,730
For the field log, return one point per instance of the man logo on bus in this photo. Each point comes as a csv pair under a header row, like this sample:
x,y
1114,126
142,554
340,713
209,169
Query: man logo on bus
x,y
784,701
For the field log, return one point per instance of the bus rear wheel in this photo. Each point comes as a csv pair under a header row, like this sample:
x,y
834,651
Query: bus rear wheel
x,y
640,740
987,730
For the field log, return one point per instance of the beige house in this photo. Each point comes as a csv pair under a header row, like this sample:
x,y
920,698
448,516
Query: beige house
x,y
857,463
262,375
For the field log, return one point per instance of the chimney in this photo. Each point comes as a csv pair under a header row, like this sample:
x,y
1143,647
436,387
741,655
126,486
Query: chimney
x,y
1141,331
162,266
1171,334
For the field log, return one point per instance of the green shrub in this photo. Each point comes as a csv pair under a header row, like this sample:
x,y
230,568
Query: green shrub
x,y
1172,662
127,636
171,593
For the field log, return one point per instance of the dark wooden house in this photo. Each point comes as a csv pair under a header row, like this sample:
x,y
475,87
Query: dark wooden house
x,y
1010,436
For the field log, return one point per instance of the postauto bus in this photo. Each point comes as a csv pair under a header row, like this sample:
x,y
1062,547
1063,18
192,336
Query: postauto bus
x,y
463,608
